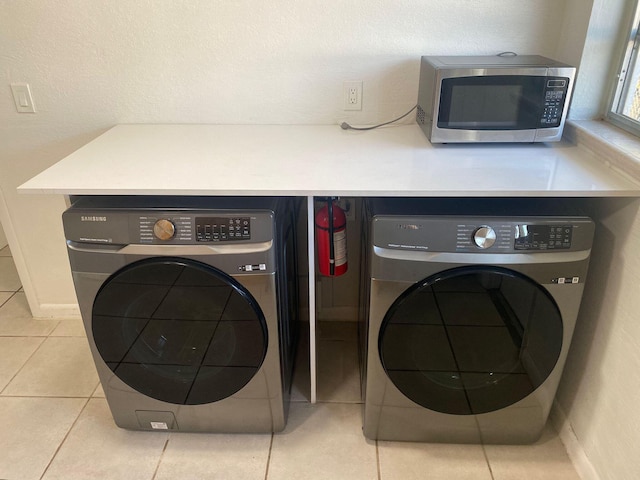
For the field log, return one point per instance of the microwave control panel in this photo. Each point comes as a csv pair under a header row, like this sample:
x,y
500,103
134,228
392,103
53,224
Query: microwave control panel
x,y
554,96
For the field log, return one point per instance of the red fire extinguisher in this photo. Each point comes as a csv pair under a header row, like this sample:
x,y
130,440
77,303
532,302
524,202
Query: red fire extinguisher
x,y
331,238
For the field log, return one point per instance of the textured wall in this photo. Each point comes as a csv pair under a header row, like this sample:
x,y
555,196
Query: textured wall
x,y
92,64
601,384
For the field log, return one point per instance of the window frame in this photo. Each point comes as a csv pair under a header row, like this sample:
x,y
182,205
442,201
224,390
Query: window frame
x,y
620,87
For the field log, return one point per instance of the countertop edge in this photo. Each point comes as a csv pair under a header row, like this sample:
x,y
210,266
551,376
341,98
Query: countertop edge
x,y
624,180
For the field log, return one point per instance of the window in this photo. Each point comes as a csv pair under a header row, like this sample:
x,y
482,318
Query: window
x,y
625,105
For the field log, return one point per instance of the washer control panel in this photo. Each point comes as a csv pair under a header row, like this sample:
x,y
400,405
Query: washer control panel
x,y
184,229
216,229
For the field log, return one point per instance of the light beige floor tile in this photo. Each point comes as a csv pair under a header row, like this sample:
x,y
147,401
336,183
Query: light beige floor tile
x,y
323,441
9,280
4,296
61,367
16,319
547,459
97,449
429,461
199,456
32,429
337,371
14,352
69,327
98,392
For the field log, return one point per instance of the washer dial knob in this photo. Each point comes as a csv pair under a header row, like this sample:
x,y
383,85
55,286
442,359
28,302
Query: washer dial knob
x,y
164,229
484,237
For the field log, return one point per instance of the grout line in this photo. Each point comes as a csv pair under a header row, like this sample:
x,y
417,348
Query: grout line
x,y
77,397
10,297
44,472
21,368
266,473
378,462
486,457
164,449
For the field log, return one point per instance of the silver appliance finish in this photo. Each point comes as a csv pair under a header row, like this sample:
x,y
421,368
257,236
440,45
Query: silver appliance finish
x,y
106,235
434,69
402,251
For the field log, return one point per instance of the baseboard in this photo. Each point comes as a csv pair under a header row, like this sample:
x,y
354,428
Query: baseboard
x,y
57,311
574,449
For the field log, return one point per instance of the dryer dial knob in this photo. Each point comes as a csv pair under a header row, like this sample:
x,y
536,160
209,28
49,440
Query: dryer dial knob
x,y
164,229
484,237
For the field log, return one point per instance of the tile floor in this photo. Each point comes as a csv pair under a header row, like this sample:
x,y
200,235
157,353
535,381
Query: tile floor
x,y
56,423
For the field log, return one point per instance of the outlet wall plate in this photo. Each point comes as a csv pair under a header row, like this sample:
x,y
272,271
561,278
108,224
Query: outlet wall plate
x,y
352,91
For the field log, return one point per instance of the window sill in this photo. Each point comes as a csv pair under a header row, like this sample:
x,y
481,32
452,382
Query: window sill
x,y
617,148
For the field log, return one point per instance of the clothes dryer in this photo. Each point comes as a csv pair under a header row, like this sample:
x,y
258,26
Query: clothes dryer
x,y
466,320
190,307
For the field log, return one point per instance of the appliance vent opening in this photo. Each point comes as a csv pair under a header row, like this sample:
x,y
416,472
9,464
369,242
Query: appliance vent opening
x,y
421,116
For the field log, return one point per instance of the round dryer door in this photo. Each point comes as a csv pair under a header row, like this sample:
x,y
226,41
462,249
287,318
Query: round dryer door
x,y
471,340
179,331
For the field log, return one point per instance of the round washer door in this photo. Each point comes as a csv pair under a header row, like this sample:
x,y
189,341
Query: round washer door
x,y
471,340
179,331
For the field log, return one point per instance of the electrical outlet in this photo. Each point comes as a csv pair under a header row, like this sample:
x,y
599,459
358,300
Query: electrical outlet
x,y
352,95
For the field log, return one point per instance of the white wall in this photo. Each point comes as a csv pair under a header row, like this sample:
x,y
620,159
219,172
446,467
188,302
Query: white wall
x,y
3,238
93,64
601,384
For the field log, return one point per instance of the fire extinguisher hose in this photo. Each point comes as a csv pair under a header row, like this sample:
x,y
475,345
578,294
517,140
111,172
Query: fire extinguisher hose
x,y
332,255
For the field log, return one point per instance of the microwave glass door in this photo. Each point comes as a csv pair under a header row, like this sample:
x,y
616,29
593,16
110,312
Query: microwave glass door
x,y
500,102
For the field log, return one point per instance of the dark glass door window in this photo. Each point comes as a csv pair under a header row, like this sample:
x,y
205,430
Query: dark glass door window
x,y
471,340
179,331
500,102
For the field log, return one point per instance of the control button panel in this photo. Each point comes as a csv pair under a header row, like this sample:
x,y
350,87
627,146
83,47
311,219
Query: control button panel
x,y
155,229
216,229
508,237
554,97
543,237
471,236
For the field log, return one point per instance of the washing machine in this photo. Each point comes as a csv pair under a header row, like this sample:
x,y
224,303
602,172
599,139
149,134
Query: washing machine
x,y
190,307
467,314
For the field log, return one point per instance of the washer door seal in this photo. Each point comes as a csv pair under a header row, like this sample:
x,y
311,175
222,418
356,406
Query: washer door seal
x,y
471,340
179,331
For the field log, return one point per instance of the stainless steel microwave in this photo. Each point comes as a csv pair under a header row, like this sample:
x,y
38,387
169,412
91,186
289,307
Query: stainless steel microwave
x,y
493,98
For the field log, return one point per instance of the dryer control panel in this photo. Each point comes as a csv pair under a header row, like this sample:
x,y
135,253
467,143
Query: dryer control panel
x,y
542,237
516,236
484,235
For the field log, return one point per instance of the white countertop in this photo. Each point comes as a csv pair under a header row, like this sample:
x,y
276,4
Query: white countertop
x,y
321,160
